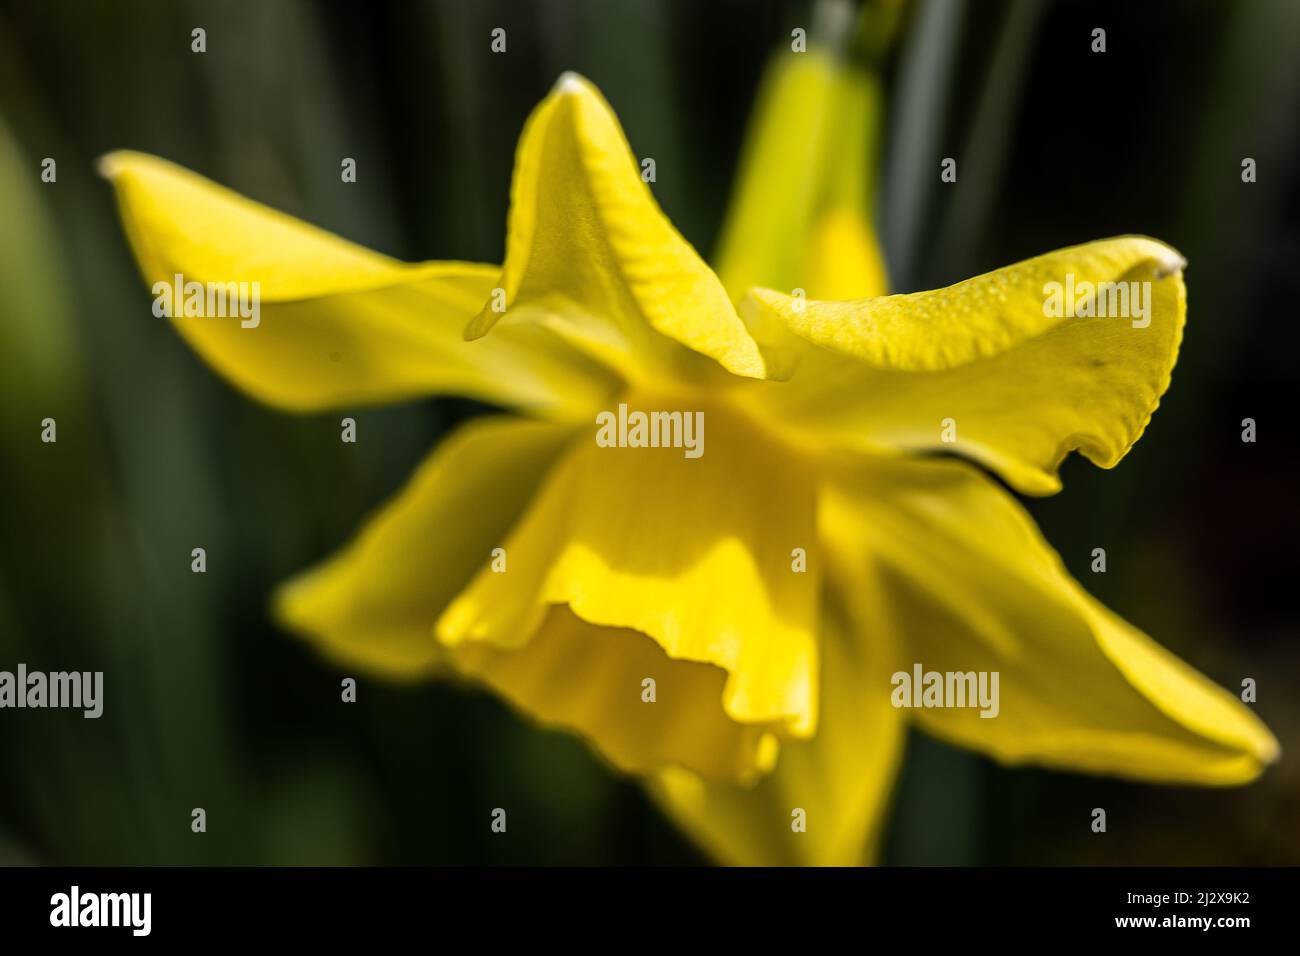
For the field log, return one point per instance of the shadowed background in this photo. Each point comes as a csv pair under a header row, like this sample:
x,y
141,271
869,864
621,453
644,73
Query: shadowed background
x,y
208,705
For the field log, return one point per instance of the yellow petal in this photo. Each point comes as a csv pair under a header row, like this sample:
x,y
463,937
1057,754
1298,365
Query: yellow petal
x,y
973,587
841,779
374,604
800,214
590,254
983,362
695,552
337,324
590,680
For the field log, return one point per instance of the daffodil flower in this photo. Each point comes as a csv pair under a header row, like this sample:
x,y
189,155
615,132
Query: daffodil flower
x,y
768,588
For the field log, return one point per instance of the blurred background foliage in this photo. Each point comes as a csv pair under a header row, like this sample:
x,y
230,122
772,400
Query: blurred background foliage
x,y
208,705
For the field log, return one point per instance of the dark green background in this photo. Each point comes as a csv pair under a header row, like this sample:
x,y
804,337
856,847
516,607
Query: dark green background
x,y
209,706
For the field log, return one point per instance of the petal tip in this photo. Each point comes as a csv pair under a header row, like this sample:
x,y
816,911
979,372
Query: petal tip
x,y
289,604
570,83
1268,750
110,164
1165,259
480,325
1172,263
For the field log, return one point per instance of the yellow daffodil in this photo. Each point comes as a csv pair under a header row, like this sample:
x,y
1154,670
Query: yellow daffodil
x,y
726,625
